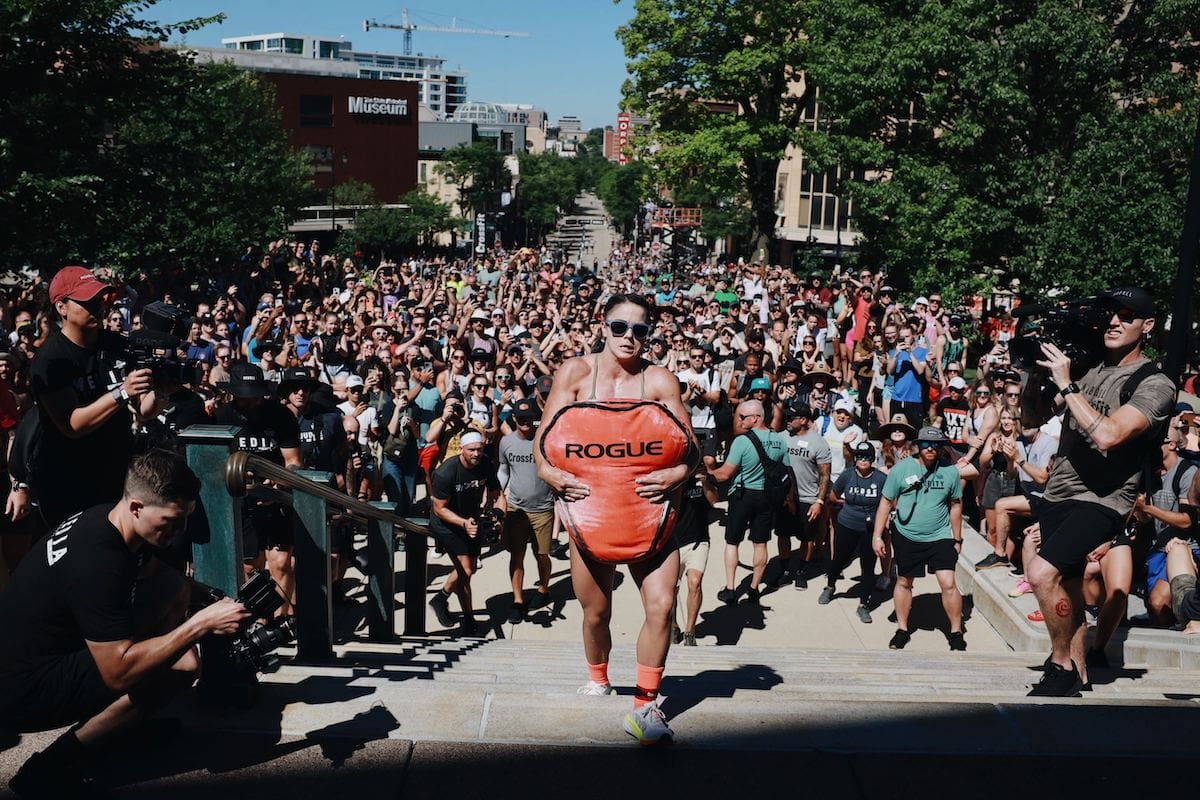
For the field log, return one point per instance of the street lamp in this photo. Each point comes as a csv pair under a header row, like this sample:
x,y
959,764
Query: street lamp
x,y
333,187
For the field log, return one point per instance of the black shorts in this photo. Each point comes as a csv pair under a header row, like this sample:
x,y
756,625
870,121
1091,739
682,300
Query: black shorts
x,y
1071,529
67,690
266,527
913,558
748,508
456,543
798,524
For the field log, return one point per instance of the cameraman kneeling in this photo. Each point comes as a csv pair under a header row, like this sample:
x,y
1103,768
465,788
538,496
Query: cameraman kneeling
x,y
95,631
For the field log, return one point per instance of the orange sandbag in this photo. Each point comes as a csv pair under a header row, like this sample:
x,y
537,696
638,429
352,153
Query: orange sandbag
x,y
608,445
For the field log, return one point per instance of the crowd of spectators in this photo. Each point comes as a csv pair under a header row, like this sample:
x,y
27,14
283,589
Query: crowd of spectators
x,y
378,370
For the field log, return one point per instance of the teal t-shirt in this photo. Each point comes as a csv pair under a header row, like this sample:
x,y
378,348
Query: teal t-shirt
x,y
923,514
745,455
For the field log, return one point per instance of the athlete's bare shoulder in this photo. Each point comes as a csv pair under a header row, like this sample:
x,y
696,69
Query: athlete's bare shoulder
x,y
661,383
573,376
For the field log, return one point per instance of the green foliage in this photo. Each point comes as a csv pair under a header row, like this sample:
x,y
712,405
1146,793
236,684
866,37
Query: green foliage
x,y
114,149
353,192
688,56
547,186
590,163
185,187
393,230
1045,142
479,172
622,190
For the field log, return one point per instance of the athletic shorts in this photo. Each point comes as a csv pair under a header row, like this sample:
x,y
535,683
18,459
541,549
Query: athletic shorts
x,y
1156,568
798,525
913,558
1072,529
749,510
69,689
457,543
1183,590
693,556
266,527
520,525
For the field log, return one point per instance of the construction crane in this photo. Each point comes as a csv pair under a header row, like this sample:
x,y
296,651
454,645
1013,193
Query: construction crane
x,y
408,28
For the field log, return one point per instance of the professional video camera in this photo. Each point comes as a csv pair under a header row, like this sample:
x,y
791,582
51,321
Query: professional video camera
x,y
490,524
155,347
1076,327
251,650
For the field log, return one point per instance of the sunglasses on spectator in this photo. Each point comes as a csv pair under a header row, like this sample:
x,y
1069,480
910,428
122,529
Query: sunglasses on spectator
x,y
479,386
1126,315
1012,394
744,417
620,327
983,394
927,445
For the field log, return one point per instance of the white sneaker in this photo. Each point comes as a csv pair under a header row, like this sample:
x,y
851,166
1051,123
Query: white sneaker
x,y
648,725
594,689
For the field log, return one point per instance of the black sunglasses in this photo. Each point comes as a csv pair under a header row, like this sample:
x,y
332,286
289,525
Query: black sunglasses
x,y
620,327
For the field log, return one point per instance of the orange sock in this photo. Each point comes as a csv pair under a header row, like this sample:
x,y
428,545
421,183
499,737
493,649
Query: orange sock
x,y
649,679
598,673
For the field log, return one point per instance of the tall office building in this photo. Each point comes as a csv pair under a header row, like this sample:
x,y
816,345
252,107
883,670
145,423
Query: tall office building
x,y
441,90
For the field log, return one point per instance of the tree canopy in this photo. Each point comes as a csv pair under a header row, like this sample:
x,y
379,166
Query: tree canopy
x,y
479,172
718,79
1045,142
113,149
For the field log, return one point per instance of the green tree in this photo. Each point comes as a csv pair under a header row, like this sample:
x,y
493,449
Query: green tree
x,y
590,162
393,231
200,168
1045,142
548,185
622,190
720,82
114,149
479,172
353,192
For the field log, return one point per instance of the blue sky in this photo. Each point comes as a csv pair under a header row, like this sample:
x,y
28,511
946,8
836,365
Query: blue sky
x,y
571,64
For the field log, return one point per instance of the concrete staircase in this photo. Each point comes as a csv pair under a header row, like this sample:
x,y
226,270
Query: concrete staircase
x,y
504,691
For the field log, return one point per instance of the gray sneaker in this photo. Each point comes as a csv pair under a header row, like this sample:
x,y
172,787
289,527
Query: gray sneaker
x,y
826,596
864,615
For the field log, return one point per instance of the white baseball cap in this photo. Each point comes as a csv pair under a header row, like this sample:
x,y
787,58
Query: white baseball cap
x,y
957,383
844,405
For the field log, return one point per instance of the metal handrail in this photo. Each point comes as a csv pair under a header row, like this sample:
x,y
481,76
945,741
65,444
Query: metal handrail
x,y
242,463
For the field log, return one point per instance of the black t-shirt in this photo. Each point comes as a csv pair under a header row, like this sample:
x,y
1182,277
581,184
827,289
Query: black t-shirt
x,y
76,584
321,437
954,414
462,489
267,429
103,454
330,342
691,525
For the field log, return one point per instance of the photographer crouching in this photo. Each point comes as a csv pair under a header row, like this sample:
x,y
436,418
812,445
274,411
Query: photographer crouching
x,y
95,631
1116,410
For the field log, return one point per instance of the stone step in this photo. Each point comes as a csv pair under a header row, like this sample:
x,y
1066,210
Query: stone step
x,y
426,711
1129,645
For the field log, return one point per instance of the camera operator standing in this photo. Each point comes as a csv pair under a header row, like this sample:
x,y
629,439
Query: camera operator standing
x,y
87,435
464,487
95,630
1107,435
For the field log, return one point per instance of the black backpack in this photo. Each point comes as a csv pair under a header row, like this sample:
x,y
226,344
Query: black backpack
x,y
777,476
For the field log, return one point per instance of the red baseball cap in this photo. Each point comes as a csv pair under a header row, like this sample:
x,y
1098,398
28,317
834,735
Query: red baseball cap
x,y
76,283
